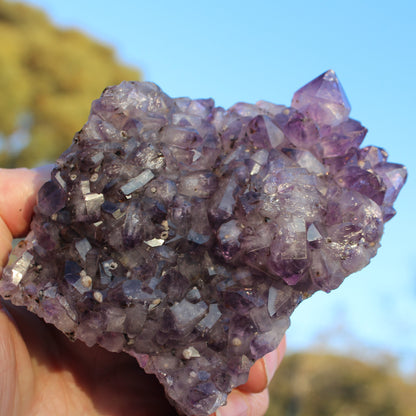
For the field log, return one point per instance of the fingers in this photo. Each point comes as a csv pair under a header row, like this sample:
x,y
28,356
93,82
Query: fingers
x,y
257,379
252,398
245,404
18,189
263,370
273,359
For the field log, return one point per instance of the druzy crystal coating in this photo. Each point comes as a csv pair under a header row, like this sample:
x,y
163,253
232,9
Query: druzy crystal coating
x,y
186,234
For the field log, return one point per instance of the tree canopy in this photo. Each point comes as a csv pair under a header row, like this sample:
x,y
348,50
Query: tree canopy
x,y
328,385
48,78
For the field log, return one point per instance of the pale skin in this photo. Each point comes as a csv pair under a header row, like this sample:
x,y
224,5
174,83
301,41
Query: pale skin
x,y
42,373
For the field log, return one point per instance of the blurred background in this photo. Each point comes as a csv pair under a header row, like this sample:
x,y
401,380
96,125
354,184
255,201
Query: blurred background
x,y
352,352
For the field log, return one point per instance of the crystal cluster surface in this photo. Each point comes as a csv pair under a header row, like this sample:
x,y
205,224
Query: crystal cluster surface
x,y
186,234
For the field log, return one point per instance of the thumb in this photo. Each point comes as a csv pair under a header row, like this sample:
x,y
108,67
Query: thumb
x,y
18,190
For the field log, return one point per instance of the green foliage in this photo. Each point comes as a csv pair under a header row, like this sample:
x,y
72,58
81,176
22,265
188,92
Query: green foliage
x,y
48,78
327,385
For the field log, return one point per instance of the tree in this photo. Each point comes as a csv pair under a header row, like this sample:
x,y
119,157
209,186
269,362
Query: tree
x,y
48,78
328,385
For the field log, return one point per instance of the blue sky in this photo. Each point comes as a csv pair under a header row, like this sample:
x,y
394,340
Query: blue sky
x,y
246,51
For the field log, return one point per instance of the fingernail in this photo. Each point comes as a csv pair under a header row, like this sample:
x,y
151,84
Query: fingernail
x,y
236,406
43,174
44,170
271,362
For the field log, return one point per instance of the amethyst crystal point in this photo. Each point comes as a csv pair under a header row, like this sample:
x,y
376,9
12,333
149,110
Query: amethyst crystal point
x,y
186,234
323,100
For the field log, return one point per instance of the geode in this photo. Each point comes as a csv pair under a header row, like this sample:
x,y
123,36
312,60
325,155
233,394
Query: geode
x,y
185,234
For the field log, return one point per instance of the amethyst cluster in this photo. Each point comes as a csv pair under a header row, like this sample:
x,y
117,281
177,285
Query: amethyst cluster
x,y
186,234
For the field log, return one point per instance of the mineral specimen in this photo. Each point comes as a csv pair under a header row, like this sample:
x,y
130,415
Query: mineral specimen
x,y
186,234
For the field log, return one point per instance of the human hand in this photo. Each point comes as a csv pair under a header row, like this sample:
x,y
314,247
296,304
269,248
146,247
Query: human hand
x,y
43,373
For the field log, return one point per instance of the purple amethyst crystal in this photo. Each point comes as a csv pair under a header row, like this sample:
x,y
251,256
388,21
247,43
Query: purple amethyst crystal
x,y
186,234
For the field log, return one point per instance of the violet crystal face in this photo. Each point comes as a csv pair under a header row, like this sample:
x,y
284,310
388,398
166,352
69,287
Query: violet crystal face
x,y
185,234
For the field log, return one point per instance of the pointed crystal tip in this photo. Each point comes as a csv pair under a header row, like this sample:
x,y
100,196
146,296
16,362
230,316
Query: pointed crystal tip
x,y
323,100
